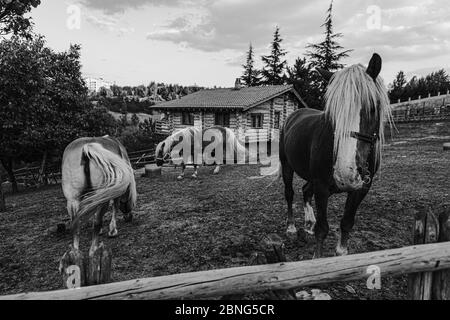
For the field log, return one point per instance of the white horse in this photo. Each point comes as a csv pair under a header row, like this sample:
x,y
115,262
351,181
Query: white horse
x,y
96,171
215,145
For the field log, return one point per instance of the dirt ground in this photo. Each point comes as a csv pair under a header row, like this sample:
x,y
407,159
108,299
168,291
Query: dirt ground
x,y
218,221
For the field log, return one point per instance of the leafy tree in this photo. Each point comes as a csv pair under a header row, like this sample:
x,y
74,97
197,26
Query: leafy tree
x,y
398,86
328,53
274,64
43,102
433,83
251,76
12,20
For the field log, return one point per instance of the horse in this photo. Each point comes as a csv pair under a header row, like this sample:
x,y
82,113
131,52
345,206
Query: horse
x,y
96,171
336,150
185,145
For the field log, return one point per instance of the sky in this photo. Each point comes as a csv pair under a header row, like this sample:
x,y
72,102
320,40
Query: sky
x,y
133,42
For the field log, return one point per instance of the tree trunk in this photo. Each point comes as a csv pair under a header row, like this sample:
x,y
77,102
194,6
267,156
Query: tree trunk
x,y
42,175
8,165
2,196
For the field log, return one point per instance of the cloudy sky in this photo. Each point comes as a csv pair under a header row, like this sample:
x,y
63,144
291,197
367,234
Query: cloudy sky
x,y
204,41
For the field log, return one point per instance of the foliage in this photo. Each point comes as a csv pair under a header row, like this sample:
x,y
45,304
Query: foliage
x,y
43,100
274,64
251,76
328,53
305,81
433,83
12,20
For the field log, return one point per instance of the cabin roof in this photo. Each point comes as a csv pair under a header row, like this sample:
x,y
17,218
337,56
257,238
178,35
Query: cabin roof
x,y
229,98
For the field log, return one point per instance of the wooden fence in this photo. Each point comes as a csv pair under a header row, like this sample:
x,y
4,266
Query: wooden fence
x,y
436,108
141,158
281,276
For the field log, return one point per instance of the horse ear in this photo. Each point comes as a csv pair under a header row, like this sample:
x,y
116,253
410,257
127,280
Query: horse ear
x,y
325,73
374,67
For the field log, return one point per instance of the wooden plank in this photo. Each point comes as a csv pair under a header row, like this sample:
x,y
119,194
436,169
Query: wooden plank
x,y
441,279
282,276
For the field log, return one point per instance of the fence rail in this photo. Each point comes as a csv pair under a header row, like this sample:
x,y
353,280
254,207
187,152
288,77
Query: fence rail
x,y
253,279
141,158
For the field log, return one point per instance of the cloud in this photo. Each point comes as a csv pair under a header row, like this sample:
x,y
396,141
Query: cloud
x,y
120,6
410,30
110,24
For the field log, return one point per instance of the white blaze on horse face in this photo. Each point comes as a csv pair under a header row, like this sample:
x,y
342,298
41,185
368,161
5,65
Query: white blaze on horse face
x,y
346,172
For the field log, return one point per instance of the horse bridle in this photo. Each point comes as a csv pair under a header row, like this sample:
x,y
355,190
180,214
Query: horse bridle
x,y
164,158
372,139
367,138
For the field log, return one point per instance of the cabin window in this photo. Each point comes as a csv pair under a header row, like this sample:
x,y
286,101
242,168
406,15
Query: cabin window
x,y
222,119
187,119
276,120
257,120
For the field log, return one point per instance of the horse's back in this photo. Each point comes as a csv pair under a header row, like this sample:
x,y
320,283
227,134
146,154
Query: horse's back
x,y
298,136
74,173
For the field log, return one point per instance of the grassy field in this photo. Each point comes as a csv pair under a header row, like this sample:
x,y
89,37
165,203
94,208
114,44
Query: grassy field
x,y
217,221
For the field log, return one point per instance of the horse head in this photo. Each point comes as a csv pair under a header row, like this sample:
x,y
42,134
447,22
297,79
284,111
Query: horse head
x,y
357,105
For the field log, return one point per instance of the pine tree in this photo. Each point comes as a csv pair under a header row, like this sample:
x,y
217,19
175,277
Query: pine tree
x,y
275,64
328,53
251,76
305,80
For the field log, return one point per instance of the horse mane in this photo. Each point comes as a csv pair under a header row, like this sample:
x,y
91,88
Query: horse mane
x,y
351,90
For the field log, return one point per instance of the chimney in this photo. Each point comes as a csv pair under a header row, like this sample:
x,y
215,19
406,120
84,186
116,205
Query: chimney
x,y
237,84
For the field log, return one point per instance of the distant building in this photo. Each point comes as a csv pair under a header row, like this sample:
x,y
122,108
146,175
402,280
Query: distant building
x,y
94,84
254,113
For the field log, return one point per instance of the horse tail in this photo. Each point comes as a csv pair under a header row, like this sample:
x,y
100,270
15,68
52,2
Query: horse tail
x,y
118,178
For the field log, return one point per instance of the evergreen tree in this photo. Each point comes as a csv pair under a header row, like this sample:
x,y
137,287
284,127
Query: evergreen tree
x,y
328,53
305,80
274,64
251,76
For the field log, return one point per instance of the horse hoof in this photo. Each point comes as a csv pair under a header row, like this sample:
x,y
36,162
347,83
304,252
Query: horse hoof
x,y
291,233
341,251
113,234
316,256
194,176
180,178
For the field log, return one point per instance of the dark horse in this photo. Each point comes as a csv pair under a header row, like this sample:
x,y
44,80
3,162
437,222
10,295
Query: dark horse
x,y
337,150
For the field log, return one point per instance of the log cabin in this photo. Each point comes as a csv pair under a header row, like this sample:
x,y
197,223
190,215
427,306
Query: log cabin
x,y
254,113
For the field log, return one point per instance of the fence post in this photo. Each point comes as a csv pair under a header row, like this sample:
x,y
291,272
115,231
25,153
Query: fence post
x,y
77,271
272,247
430,227
2,196
441,279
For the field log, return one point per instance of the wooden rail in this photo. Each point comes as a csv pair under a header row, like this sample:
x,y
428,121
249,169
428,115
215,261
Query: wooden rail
x,y
281,276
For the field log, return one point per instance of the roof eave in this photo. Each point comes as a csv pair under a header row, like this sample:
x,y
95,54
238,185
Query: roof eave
x,y
291,89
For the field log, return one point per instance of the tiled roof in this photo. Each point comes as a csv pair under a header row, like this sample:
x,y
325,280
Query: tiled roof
x,y
230,98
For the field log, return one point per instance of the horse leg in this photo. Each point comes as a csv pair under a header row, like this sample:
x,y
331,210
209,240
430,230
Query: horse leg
x,y
354,199
183,168
321,195
310,218
98,222
112,225
73,207
288,177
195,174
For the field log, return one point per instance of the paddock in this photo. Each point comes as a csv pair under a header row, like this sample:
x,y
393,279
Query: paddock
x,y
217,222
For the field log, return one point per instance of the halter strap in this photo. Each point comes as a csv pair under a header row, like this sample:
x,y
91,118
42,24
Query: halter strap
x,y
372,139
